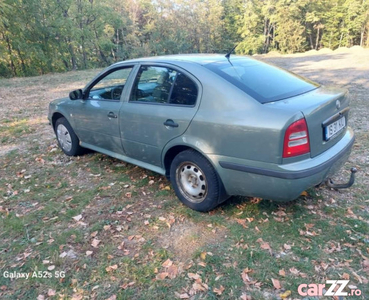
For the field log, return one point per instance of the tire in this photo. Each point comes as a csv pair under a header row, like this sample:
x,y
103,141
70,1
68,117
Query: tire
x,y
195,181
67,139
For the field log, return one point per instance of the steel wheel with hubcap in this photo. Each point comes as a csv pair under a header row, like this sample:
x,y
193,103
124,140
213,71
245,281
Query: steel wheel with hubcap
x,y
67,139
63,136
195,181
192,182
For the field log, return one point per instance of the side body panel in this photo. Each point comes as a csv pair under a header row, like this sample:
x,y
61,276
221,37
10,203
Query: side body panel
x,y
142,128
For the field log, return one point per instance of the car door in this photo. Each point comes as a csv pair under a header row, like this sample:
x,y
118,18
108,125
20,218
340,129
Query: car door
x,y
97,116
162,103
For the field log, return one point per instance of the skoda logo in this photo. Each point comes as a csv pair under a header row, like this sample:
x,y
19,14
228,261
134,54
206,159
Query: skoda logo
x,y
338,104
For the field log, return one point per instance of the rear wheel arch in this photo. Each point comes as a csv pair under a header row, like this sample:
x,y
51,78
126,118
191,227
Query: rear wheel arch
x,y
170,155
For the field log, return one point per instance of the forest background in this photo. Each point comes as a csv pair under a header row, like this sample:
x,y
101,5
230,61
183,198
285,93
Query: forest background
x,y
43,36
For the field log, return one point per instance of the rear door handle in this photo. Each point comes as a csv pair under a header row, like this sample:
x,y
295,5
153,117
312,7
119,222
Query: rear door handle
x,y
170,123
112,115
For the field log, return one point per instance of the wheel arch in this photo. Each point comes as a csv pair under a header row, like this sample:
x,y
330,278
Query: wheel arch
x,y
171,154
55,117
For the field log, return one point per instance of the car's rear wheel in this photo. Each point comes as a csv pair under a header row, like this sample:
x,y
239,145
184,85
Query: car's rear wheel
x,y
195,181
67,139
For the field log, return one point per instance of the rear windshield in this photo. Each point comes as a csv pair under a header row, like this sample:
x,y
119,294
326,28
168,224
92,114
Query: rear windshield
x,y
261,81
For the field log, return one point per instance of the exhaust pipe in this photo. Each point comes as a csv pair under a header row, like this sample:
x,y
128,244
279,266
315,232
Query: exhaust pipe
x,y
333,185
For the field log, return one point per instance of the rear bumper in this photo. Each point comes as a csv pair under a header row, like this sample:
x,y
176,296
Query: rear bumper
x,y
282,182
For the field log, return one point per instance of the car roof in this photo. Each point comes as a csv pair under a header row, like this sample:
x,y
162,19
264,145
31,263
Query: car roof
x,y
201,59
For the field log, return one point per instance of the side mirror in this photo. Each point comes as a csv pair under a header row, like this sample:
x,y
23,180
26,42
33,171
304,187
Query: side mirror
x,y
75,95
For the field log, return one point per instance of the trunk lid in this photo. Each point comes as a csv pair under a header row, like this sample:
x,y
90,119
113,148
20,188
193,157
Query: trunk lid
x,y
326,113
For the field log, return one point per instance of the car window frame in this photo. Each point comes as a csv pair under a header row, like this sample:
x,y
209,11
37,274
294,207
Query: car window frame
x,y
106,72
174,68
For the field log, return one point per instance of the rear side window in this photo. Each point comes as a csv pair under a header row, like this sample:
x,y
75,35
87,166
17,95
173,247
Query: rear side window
x,y
156,84
261,81
184,91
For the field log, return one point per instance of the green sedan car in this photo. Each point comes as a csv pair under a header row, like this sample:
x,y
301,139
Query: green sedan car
x,y
214,125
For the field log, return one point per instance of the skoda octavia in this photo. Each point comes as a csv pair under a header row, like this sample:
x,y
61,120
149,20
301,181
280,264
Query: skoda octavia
x,y
215,125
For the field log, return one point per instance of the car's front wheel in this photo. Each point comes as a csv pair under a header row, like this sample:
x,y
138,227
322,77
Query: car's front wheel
x,y
195,181
67,139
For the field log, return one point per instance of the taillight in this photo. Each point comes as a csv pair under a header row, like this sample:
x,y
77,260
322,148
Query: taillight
x,y
296,139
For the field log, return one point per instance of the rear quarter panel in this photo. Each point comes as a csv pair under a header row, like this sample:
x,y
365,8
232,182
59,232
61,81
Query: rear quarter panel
x,y
230,123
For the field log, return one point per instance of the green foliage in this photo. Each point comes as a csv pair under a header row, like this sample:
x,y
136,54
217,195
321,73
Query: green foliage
x,y
61,35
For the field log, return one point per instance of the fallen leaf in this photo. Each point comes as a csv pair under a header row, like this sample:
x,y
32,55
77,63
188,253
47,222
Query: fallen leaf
x,y
167,263
40,297
203,255
265,246
182,296
121,246
346,276
193,276
95,243
77,218
285,295
107,227
162,276
77,297
219,291
197,286
276,284
94,234
88,253
111,268
113,297
172,271
245,297
51,292
245,277
294,271
62,255
287,247
242,222
304,193
282,273
50,268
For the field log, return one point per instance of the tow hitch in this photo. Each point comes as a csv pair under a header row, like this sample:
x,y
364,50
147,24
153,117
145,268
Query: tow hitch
x,y
333,185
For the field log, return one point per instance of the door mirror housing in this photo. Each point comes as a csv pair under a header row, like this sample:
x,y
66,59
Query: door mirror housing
x,y
76,94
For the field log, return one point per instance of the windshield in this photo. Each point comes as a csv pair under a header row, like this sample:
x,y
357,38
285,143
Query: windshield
x,y
263,82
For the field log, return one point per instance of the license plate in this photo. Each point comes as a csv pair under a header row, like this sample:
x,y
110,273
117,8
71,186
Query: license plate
x,y
334,128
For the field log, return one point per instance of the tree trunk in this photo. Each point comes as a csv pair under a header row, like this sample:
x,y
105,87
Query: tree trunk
x,y
317,39
362,36
72,55
22,62
12,66
311,41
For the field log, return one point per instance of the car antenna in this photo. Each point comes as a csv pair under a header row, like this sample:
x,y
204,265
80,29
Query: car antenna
x,y
228,55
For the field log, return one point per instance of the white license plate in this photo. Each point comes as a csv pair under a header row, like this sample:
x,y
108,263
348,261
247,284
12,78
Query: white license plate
x,y
334,128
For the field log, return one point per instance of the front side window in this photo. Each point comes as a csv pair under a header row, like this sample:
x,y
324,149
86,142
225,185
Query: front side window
x,y
111,86
163,85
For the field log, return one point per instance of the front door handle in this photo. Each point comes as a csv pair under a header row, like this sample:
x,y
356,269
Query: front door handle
x,y
112,115
170,123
